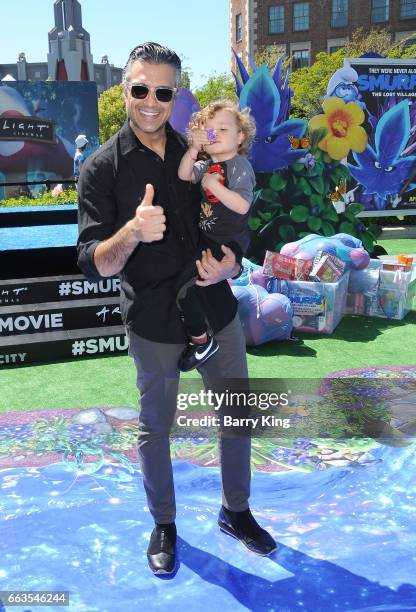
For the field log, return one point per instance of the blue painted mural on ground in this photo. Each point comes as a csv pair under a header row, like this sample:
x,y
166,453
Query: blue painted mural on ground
x,y
346,539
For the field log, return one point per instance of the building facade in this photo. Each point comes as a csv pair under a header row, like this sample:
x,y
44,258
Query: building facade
x,y
69,57
305,28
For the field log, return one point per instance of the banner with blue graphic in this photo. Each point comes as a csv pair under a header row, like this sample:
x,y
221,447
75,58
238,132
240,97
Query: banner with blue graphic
x,y
385,171
39,121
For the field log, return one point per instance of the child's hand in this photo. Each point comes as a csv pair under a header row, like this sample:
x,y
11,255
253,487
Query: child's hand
x,y
199,140
210,179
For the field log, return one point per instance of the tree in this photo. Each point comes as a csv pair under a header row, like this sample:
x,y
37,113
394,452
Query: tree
x,y
403,50
111,112
185,79
186,73
376,40
379,41
218,86
269,55
309,84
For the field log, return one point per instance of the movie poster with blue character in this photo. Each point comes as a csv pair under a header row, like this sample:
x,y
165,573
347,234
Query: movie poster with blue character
x,y
39,122
384,172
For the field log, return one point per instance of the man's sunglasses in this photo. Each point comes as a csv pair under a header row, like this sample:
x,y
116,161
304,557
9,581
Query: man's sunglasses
x,y
140,92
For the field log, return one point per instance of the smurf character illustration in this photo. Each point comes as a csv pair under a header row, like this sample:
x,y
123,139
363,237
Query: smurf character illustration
x,y
384,169
342,85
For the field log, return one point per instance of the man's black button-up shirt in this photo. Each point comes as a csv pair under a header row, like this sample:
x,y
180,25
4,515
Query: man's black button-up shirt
x,y
111,186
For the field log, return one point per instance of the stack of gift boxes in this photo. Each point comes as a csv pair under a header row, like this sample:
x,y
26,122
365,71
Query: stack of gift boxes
x,y
384,289
324,267
323,290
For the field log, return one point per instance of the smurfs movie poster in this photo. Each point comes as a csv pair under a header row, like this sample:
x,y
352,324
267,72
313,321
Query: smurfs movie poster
x,y
385,171
39,122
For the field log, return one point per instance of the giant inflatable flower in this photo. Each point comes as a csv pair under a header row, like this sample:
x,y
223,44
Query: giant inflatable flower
x,y
185,105
268,97
343,124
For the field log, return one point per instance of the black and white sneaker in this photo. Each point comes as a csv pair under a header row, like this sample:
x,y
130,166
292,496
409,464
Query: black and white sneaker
x,y
196,354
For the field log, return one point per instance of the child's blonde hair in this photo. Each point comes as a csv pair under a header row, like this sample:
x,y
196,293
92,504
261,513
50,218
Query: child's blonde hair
x,y
245,122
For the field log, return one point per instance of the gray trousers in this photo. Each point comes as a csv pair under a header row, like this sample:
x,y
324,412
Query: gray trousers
x,y
157,381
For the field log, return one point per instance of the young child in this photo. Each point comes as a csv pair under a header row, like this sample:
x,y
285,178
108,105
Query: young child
x,y
225,133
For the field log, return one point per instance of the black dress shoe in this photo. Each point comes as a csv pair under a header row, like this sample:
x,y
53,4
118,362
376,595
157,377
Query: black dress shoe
x,y
161,553
244,527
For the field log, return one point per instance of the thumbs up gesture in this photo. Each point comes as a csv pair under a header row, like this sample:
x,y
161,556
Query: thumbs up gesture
x,y
149,221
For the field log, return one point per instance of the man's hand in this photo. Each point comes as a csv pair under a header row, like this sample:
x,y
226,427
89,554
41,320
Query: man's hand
x,y
213,271
149,223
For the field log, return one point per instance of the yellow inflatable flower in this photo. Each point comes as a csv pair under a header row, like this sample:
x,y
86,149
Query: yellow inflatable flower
x,y
343,124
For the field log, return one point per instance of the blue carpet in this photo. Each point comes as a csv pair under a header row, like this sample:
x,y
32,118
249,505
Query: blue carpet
x,y
37,237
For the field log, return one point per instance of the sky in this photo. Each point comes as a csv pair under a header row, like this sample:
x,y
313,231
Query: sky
x,y
197,30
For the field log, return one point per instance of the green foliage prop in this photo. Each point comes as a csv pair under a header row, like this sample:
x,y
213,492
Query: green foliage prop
x,y
68,196
295,202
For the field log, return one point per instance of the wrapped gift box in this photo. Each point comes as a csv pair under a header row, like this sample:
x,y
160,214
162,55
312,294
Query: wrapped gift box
x,y
283,266
317,307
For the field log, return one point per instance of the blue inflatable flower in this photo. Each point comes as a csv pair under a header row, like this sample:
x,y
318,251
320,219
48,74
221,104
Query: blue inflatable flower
x,y
268,97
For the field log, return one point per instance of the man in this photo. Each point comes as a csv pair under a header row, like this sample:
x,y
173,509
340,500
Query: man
x,y
147,245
